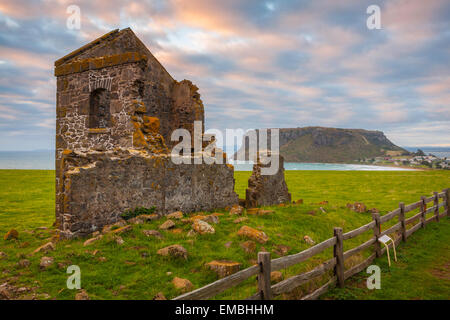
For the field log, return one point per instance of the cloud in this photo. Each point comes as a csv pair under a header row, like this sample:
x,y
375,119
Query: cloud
x,y
257,63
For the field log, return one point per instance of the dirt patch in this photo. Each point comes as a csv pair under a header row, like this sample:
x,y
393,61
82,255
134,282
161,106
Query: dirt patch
x,y
442,272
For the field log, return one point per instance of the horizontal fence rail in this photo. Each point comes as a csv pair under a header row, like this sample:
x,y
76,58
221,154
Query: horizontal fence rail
x,y
265,265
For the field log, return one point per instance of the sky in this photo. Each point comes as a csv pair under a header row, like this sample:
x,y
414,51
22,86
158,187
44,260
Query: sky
x,y
258,64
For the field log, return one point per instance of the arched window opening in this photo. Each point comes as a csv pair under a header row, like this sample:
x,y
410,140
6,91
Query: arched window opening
x,y
99,109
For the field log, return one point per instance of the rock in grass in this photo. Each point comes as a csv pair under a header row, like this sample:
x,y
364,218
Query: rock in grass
x,y
236,209
152,233
82,295
167,225
123,230
49,246
253,234
202,227
358,207
282,249
143,218
24,263
3,255
308,240
175,215
276,276
239,220
184,285
159,296
175,250
252,211
92,240
224,268
46,262
11,234
119,240
249,246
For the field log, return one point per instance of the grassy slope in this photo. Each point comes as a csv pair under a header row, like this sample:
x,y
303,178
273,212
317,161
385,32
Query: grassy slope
x,y
26,202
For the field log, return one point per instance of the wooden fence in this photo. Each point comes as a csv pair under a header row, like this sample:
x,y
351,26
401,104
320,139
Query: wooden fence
x,y
265,265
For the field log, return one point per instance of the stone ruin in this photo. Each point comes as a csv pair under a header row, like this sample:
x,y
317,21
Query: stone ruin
x,y
266,190
116,109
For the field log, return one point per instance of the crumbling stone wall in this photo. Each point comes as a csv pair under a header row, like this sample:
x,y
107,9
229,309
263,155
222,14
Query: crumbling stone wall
x,y
100,186
115,112
267,190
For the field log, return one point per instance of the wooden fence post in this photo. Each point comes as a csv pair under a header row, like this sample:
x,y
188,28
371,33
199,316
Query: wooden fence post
x,y
376,233
264,275
447,200
401,219
436,204
339,255
423,209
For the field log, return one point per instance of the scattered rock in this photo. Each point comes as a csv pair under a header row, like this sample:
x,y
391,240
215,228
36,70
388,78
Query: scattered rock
x,y
176,231
282,249
249,246
143,218
299,201
118,224
174,250
253,234
62,265
49,246
182,284
25,244
212,218
152,233
236,209
92,240
82,295
24,263
3,255
239,220
308,240
6,291
46,262
159,296
167,225
191,233
374,210
175,215
323,203
228,244
264,212
102,259
11,234
224,268
169,273
202,227
96,233
357,207
95,252
252,211
276,276
122,230
119,240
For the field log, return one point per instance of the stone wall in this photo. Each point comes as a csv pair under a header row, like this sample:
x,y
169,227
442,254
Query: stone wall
x,y
100,186
267,190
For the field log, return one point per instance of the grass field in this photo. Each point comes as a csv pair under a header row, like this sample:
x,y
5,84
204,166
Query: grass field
x,y
134,270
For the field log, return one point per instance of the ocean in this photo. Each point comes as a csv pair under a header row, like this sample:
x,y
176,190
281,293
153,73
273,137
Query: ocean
x,y
44,160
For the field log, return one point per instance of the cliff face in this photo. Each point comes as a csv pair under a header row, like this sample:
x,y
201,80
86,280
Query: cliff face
x,y
318,144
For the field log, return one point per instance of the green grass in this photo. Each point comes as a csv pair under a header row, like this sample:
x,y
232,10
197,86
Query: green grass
x,y
134,270
422,271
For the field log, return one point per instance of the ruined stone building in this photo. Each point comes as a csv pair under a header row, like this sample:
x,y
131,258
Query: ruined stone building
x,y
116,109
